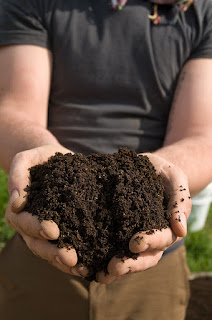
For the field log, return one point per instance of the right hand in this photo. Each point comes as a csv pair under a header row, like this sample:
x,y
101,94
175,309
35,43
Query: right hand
x,y
34,233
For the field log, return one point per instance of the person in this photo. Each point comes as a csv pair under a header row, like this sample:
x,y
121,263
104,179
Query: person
x,y
78,76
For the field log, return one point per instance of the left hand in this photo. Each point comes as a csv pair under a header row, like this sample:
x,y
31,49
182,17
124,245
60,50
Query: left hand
x,y
151,247
35,233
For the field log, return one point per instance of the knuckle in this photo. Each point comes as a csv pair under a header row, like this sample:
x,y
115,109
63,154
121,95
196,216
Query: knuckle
x,y
20,156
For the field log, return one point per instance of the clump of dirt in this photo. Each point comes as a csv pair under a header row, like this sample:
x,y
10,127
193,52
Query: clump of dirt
x,y
99,202
200,304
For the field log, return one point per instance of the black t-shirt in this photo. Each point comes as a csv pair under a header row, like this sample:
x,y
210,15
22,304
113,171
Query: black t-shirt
x,y
114,73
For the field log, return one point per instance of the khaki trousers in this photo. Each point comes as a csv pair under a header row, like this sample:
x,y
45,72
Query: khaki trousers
x,y
32,289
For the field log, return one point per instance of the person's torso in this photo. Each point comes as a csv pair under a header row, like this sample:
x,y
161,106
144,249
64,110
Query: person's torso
x,y
114,73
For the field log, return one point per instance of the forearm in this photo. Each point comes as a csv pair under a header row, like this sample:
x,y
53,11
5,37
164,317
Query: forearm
x,y
193,155
17,133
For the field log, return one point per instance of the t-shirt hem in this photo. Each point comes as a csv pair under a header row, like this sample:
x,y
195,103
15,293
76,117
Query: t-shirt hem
x,y
24,38
203,54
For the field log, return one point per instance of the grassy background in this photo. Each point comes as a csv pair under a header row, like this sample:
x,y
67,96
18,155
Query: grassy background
x,y
198,244
199,247
5,231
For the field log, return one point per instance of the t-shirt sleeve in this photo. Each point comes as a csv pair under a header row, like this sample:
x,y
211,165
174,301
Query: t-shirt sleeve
x,y
203,37
21,22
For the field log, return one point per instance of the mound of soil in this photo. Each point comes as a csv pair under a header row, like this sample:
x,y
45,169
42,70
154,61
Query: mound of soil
x,y
98,201
200,304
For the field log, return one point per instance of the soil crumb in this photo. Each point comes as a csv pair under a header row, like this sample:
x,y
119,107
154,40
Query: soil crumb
x,y
99,202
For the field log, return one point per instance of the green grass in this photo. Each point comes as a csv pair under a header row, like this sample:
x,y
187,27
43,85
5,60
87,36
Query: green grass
x,y
199,248
5,231
198,244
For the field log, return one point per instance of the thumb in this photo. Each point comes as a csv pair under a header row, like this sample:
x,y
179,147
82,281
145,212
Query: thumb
x,y
17,182
19,172
18,200
179,201
176,193
178,222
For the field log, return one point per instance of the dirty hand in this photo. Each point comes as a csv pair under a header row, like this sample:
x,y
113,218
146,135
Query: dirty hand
x,y
151,247
34,233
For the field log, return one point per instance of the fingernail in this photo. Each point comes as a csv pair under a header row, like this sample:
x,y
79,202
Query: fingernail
x,y
72,270
75,272
182,220
44,235
15,195
18,201
82,271
59,261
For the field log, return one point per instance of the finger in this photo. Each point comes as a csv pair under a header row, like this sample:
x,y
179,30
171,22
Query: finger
x,y
80,270
62,267
178,223
48,251
67,256
145,260
18,200
179,205
19,179
25,223
178,198
159,240
59,264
